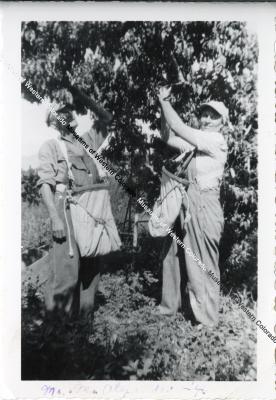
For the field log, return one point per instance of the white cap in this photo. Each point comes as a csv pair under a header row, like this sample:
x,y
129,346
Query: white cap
x,y
219,107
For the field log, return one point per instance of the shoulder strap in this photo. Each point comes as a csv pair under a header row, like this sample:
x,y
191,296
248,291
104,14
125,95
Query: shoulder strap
x,y
187,158
63,149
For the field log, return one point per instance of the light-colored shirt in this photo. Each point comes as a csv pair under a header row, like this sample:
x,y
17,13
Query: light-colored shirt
x,y
53,169
210,158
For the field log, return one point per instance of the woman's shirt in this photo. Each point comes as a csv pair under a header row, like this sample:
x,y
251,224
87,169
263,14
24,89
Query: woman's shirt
x,y
210,157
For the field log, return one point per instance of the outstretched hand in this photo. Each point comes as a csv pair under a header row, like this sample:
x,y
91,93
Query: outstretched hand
x,y
164,93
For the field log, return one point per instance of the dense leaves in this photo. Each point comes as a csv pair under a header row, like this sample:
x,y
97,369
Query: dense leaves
x,y
29,191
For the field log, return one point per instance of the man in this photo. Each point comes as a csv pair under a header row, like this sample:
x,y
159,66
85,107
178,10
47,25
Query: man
x,y
73,279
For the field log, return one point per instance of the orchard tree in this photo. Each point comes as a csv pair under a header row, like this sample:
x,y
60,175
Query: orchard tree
x,y
121,64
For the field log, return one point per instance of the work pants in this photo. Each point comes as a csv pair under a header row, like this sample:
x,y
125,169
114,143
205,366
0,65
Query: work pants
x,y
73,280
185,284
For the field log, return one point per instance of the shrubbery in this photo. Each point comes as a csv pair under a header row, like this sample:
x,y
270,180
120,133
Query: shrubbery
x,y
29,190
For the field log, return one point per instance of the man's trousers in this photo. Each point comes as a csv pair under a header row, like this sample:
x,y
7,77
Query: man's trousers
x,y
73,280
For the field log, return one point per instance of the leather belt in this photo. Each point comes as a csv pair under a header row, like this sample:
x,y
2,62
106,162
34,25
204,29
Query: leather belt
x,y
61,187
88,188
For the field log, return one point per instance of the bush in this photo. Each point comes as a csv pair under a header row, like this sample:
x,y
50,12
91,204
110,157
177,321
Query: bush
x,y
240,269
29,190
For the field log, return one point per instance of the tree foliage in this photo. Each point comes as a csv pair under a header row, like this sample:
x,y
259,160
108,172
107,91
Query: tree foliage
x,y
121,64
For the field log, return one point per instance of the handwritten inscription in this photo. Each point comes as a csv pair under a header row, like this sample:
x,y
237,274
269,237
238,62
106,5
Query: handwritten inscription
x,y
48,390
119,390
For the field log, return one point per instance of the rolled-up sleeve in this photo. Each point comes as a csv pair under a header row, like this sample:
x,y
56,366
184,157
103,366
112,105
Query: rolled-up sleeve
x,y
46,169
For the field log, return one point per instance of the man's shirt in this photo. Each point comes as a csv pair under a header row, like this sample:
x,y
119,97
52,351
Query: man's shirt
x,y
210,158
53,167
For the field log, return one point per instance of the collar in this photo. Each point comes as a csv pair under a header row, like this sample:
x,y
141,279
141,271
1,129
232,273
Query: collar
x,y
66,139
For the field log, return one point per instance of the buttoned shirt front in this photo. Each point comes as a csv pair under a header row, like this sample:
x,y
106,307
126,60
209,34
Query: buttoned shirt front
x,y
53,167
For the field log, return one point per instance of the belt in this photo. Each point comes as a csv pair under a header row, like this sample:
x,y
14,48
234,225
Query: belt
x,y
204,189
61,187
88,188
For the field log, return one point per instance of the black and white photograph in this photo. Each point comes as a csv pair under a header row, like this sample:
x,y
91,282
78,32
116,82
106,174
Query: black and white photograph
x,y
139,208
138,202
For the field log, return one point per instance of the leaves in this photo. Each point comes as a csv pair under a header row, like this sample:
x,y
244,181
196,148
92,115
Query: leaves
x,y
29,190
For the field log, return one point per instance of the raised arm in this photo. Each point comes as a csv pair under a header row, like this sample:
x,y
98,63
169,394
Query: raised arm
x,y
165,129
168,136
174,121
104,115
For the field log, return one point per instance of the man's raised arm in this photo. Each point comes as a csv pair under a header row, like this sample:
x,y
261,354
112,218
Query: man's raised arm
x,y
104,115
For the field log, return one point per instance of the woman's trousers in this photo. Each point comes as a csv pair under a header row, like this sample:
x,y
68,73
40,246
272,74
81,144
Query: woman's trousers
x,y
185,284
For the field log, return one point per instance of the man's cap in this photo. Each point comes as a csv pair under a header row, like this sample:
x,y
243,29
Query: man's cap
x,y
64,110
219,107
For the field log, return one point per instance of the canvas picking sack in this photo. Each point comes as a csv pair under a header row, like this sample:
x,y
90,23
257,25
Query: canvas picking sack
x,y
94,227
167,207
173,196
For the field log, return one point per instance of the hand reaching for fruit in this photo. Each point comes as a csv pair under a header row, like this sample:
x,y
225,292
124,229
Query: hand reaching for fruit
x,y
164,93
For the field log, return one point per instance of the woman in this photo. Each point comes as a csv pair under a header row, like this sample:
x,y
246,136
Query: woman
x,y
181,273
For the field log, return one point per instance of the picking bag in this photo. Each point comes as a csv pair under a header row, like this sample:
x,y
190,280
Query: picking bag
x,y
94,227
173,196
